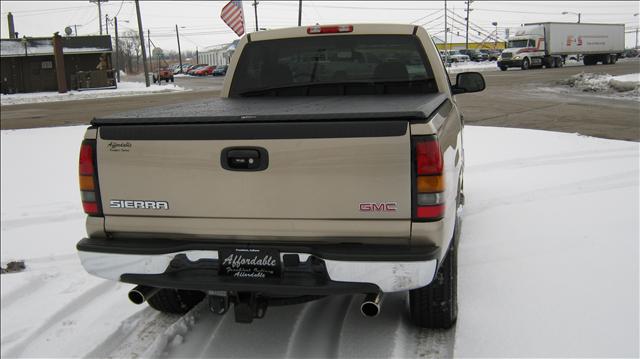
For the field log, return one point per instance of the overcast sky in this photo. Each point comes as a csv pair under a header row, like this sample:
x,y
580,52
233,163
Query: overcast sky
x,y
201,25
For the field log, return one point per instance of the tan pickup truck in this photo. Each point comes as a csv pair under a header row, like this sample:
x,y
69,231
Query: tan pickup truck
x,y
331,164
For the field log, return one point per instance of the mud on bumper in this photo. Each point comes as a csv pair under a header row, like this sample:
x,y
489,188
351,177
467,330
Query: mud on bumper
x,y
306,269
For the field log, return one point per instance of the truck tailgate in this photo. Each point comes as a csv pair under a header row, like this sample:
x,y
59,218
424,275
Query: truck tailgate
x,y
353,175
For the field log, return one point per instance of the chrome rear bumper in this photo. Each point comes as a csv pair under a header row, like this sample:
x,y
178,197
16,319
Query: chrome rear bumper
x,y
388,276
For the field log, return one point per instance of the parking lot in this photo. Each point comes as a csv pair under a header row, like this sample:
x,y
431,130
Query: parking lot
x,y
514,98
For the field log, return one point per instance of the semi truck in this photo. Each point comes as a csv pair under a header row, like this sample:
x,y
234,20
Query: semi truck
x,y
548,44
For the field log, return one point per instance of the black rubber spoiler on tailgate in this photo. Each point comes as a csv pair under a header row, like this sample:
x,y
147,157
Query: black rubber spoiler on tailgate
x,y
281,109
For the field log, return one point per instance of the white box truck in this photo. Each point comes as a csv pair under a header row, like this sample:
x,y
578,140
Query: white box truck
x,y
549,43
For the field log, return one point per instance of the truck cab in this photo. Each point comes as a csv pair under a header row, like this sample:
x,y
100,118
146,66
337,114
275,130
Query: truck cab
x,y
525,48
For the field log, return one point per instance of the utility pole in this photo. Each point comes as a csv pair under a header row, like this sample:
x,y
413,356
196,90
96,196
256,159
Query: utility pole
x,y
115,23
495,42
467,18
255,7
144,54
299,12
12,30
58,57
179,53
99,2
197,56
445,29
106,23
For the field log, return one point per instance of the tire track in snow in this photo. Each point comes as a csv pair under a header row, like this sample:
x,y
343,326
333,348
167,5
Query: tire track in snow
x,y
554,159
594,184
136,335
83,300
318,331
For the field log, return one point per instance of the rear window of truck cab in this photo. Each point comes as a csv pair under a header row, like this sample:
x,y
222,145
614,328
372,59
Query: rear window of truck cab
x,y
333,65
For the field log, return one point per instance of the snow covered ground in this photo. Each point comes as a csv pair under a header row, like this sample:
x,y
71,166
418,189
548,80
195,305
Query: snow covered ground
x,y
548,265
124,89
602,85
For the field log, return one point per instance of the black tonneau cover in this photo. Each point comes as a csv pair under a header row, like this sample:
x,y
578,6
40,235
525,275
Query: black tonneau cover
x,y
276,109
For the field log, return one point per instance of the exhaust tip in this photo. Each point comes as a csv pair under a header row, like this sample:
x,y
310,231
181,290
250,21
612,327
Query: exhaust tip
x,y
136,297
370,309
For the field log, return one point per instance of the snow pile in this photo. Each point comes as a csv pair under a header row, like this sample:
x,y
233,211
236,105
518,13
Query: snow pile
x,y
124,89
472,66
625,85
548,266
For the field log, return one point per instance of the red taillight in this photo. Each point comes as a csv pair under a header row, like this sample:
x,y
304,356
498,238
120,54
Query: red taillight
x,y
312,30
430,211
86,159
428,158
429,181
89,179
90,208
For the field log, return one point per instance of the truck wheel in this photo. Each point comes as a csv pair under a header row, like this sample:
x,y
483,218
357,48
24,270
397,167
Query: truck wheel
x,y
172,79
606,60
175,301
436,305
503,68
525,64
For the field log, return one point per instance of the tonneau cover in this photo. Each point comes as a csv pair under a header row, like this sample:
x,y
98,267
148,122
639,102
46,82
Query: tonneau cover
x,y
269,109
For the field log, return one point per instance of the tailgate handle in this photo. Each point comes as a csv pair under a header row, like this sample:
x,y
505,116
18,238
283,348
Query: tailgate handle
x,y
244,159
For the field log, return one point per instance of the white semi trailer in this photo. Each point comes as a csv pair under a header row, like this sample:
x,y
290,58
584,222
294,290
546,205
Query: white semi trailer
x,y
549,43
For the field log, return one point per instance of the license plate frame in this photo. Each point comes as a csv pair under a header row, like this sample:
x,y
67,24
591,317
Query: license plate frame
x,y
249,263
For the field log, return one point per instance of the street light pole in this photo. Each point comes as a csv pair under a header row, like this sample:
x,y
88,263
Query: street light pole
x,y
467,18
636,14
255,7
179,52
299,12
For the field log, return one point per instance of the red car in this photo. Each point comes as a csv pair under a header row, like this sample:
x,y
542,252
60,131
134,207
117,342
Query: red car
x,y
205,71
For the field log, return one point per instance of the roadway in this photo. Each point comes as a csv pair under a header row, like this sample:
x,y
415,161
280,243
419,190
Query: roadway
x,y
513,98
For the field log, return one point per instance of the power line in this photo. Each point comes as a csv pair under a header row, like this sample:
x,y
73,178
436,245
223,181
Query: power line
x,y
424,17
120,8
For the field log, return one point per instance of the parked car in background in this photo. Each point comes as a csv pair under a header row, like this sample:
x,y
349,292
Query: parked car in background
x,y
205,71
474,55
457,56
164,73
192,70
220,70
491,55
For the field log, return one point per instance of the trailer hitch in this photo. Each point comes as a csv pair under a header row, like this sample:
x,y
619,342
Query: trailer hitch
x,y
248,306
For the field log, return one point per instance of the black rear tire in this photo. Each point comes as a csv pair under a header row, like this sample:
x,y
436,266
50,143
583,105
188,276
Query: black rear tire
x,y
525,64
175,301
436,305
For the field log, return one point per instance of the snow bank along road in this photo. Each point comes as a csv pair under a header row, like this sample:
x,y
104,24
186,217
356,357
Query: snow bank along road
x,y
548,265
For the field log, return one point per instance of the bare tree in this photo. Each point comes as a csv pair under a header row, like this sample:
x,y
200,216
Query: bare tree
x,y
130,45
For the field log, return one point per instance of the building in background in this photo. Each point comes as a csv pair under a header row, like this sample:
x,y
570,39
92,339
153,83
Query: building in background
x,y
28,64
218,54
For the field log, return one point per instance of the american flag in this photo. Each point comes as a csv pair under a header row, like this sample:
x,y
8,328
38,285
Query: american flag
x,y
233,16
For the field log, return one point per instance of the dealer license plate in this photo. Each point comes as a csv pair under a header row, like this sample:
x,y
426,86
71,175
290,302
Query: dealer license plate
x,y
249,263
